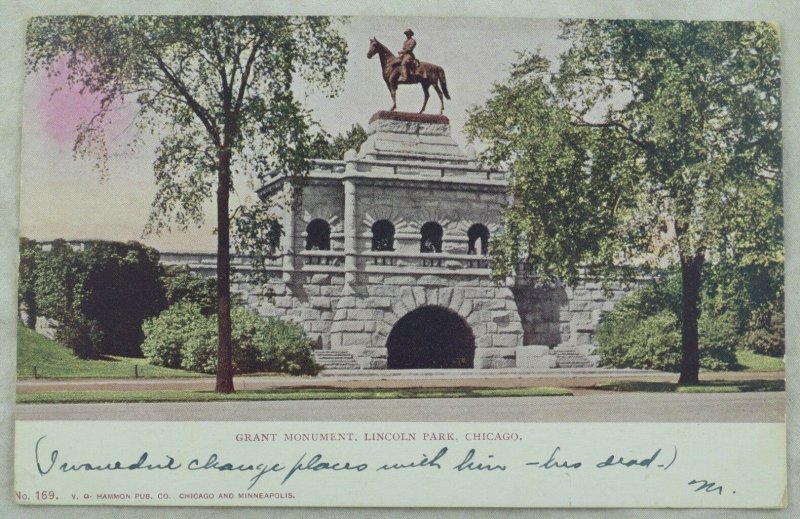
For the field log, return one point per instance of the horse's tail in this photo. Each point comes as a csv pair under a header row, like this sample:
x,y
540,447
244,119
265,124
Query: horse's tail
x,y
443,82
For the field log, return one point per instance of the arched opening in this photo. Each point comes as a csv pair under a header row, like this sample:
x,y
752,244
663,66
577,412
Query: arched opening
x,y
477,235
382,236
318,235
430,337
431,239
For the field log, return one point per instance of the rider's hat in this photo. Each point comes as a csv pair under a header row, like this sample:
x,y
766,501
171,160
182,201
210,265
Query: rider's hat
x,y
409,32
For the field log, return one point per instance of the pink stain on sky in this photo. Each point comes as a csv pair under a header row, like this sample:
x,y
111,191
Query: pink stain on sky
x,y
62,108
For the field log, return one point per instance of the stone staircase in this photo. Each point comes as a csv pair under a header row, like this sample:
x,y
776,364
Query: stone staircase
x,y
569,358
335,359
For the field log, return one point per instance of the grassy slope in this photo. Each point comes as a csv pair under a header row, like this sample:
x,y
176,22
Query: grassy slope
x,y
52,360
755,362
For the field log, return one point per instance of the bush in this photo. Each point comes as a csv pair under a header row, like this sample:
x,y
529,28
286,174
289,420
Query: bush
x,y
181,286
644,330
718,340
121,290
766,334
183,337
655,342
58,282
166,335
83,336
115,285
651,343
29,254
285,348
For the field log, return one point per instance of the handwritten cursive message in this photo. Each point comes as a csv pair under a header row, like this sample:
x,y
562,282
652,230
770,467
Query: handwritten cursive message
x,y
399,464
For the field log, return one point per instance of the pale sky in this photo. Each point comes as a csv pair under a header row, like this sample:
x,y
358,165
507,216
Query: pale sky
x,y
64,198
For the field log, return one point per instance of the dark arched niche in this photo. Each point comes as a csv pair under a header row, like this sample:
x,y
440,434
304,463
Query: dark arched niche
x,y
430,337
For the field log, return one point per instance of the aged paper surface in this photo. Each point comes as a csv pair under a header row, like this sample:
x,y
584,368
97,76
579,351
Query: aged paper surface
x,y
758,469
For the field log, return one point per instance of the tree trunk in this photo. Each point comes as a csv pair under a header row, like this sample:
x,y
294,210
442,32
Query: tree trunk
x,y
691,271
224,349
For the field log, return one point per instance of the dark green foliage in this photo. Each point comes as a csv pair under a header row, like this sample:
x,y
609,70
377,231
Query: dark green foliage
x,y
112,285
183,337
285,348
650,343
323,146
654,342
83,336
181,286
219,92
122,289
649,140
258,235
29,254
766,333
719,339
643,330
59,281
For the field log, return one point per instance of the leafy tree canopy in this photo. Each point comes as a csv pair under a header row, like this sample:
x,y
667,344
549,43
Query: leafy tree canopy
x,y
217,93
202,85
648,139
649,142
323,146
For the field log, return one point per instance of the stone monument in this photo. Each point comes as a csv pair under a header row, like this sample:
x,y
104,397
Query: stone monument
x,y
385,263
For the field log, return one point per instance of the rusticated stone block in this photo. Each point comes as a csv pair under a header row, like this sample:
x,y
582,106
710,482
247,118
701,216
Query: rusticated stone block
x,y
506,339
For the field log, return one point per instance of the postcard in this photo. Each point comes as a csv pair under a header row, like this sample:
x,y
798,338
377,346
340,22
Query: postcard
x,y
291,260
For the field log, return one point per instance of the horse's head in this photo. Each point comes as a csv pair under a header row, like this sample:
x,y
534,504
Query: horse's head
x,y
373,47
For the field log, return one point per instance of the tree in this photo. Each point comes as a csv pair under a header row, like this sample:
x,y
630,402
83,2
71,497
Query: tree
x,y
217,92
325,147
29,254
650,141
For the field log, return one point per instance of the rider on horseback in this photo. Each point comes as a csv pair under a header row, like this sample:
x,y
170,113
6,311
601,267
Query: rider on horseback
x,y
407,57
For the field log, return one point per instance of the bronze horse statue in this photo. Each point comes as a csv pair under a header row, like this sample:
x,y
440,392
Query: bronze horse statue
x,y
426,74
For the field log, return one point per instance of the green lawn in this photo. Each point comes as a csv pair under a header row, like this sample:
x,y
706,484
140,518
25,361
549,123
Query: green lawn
x,y
712,386
755,362
53,397
52,360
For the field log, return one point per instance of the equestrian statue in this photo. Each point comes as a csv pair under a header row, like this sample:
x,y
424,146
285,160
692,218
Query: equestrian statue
x,y
404,69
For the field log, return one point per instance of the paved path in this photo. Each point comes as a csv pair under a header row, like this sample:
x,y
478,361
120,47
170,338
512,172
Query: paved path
x,y
588,407
387,379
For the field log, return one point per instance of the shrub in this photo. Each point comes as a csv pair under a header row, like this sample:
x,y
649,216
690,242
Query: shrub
x,y
183,337
115,285
58,282
121,289
166,335
766,334
285,348
651,343
718,340
83,336
29,255
643,331
181,286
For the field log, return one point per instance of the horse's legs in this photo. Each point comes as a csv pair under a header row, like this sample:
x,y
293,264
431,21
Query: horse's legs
x,y
393,92
427,95
439,91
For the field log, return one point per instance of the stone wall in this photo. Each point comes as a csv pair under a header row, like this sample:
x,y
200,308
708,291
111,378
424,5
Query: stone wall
x,y
358,318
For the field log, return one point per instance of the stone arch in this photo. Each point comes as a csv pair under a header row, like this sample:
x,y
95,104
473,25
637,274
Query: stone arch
x,y
318,235
323,213
383,232
430,337
377,213
478,239
425,215
431,234
411,298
